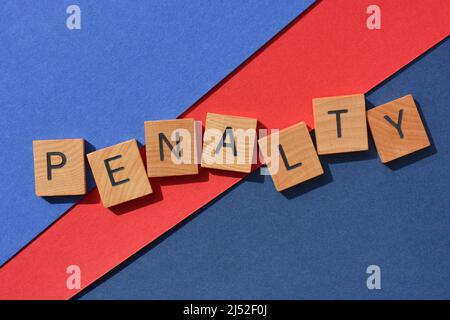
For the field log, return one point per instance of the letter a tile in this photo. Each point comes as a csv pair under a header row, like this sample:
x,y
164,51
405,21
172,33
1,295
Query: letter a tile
x,y
229,142
340,124
119,173
397,128
290,156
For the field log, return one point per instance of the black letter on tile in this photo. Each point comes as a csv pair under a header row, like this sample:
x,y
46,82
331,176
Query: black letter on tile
x,y
175,150
112,171
338,120
285,160
228,132
51,166
397,125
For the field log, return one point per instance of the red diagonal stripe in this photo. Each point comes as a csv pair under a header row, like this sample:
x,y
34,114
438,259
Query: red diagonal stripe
x,y
329,51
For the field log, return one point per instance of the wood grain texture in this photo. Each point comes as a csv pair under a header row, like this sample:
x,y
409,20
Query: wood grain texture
x,y
391,143
170,165
302,160
244,133
126,156
68,180
353,124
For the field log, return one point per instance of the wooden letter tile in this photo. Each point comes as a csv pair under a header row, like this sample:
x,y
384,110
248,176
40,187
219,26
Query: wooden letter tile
x,y
119,173
340,124
397,128
59,167
171,147
229,143
290,156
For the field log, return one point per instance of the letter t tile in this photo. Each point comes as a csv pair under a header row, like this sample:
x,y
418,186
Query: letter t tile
x,y
340,124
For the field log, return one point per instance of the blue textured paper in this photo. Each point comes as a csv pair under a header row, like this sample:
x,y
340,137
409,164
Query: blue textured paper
x,y
131,61
317,240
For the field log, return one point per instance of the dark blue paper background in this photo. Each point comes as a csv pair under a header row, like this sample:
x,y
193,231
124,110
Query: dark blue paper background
x,y
317,240
132,61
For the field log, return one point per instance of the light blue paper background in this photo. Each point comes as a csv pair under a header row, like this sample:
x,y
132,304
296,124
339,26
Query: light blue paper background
x,y
131,61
